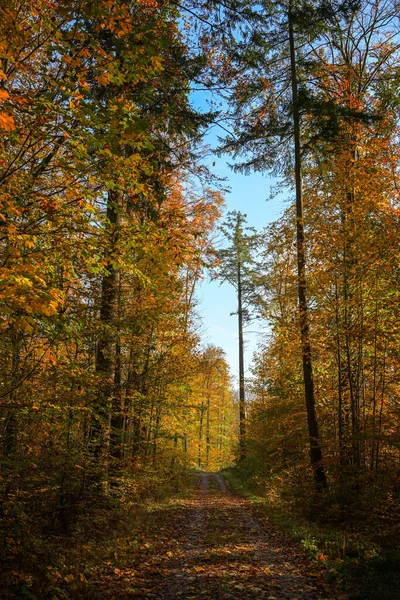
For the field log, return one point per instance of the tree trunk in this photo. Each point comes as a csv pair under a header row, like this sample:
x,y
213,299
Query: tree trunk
x,y
100,426
208,438
339,378
315,449
174,453
117,417
200,435
10,425
374,396
242,401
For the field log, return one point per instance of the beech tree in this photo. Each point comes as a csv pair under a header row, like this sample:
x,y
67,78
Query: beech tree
x,y
100,228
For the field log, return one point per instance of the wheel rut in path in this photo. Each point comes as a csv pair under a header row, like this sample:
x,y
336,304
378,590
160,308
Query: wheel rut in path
x,y
219,546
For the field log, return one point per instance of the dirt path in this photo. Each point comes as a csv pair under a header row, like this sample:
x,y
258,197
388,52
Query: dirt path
x,y
218,546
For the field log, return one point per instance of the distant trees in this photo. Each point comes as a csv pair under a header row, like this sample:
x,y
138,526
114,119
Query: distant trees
x,y
216,411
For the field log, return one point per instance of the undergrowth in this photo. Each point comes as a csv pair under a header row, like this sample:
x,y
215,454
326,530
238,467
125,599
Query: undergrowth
x,y
42,561
359,549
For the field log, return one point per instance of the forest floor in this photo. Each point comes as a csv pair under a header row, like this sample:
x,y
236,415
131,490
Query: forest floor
x,y
215,545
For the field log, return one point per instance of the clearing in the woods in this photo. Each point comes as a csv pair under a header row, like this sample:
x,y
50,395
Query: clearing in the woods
x,y
217,545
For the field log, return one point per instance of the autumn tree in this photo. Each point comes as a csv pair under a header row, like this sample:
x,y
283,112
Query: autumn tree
x,y
211,391
103,237
348,121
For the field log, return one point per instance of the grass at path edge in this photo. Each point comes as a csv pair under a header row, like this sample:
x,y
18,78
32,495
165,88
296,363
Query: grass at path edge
x,y
375,578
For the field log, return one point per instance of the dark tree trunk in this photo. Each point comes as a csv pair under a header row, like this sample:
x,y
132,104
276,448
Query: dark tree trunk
x,y
200,435
315,448
11,423
242,400
208,437
100,426
174,453
374,396
342,449
117,417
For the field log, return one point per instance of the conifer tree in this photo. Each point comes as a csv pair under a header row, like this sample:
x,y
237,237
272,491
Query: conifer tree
x,y
236,267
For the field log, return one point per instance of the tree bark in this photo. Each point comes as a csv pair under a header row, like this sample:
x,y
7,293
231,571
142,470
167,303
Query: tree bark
x,y
200,435
242,400
208,436
100,426
315,449
117,417
11,424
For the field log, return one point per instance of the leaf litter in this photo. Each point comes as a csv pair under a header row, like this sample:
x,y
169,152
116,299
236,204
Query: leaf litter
x,y
215,546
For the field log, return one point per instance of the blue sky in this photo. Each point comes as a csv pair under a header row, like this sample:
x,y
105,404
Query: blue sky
x,y
251,195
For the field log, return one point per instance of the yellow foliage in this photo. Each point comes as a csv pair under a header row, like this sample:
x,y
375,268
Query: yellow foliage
x,y
7,122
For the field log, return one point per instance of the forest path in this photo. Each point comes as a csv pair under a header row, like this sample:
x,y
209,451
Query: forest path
x,y
218,546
